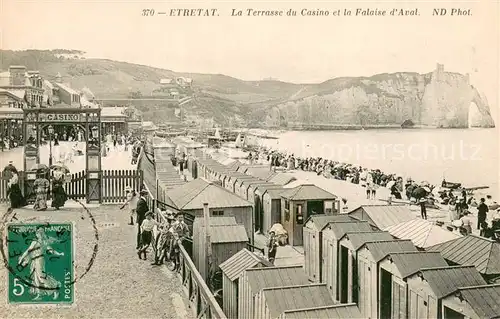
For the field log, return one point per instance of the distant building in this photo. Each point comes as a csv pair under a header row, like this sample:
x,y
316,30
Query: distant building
x,y
20,88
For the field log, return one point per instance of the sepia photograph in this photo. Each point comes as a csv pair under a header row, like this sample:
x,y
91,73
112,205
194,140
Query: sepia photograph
x,y
250,159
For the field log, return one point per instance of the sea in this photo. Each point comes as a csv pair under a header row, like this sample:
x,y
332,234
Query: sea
x,y
467,156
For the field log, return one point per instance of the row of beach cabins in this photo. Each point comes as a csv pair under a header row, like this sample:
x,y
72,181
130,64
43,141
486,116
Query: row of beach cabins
x,y
377,261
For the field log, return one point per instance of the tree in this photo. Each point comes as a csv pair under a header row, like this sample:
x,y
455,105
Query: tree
x,y
135,95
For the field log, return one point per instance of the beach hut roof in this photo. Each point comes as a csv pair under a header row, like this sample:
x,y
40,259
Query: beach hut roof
x,y
282,178
239,262
358,239
274,193
422,233
262,172
307,192
340,228
409,263
195,193
251,181
217,221
260,278
280,299
482,299
228,234
340,311
447,279
268,185
234,165
474,250
383,216
381,248
321,220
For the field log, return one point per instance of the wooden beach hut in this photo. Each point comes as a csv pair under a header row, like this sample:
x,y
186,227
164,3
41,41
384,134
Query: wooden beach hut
x,y
191,196
348,266
300,202
427,288
243,184
234,165
256,195
253,280
275,301
225,241
245,188
270,207
475,302
199,235
369,256
394,270
339,311
244,168
232,269
383,216
238,181
230,180
481,252
313,242
423,233
331,235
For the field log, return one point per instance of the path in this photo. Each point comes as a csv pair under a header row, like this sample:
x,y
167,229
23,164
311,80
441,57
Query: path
x,y
118,285
115,159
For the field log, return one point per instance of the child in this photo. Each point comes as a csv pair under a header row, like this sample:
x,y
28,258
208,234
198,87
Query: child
x,y
146,234
272,246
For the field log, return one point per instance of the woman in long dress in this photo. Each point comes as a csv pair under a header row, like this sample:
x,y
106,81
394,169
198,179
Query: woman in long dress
x,y
43,283
41,187
59,195
16,197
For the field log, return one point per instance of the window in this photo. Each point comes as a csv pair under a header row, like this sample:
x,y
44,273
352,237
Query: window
x,y
287,204
217,213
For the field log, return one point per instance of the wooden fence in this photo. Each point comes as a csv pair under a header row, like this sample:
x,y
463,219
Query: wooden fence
x,y
112,186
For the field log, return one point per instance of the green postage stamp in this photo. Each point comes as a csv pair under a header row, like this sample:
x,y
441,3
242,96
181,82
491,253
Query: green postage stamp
x,y
41,268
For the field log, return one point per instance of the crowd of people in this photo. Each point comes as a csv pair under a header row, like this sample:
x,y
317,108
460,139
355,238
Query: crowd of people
x,y
170,233
424,194
49,181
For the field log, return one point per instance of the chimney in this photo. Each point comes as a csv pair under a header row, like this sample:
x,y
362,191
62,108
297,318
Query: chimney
x,y
17,75
208,244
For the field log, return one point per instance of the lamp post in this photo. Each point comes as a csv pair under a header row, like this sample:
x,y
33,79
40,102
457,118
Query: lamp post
x,y
51,132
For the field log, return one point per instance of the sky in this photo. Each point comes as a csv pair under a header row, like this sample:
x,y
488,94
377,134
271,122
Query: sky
x,y
294,49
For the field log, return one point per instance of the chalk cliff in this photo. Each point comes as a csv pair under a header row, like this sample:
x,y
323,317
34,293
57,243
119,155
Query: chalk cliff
x,y
437,99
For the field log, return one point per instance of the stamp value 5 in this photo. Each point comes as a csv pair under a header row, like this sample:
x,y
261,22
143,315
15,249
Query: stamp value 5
x,y
40,262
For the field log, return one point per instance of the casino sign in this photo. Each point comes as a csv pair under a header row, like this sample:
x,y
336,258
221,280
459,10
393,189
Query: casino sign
x,y
52,117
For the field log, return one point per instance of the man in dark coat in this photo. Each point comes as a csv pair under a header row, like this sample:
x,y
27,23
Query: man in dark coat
x,y
141,210
482,210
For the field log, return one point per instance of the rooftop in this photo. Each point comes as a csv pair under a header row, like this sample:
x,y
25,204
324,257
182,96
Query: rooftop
x,y
228,234
445,280
67,88
381,248
280,299
481,252
260,278
339,229
383,216
113,111
358,239
195,193
282,178
482,299
307,192
239,262
409,263
423,233
321,220
342,311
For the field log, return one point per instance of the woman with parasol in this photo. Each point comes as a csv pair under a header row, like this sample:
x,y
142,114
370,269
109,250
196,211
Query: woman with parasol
x,y
41,187
16,197
58,193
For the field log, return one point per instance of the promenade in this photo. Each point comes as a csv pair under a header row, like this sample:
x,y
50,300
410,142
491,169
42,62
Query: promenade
x,y
119,284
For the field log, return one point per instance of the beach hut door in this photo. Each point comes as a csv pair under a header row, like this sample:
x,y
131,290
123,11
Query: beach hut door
x,y
385,294
258,214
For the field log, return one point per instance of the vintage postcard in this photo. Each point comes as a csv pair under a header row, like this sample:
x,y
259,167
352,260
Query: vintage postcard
x,y
249,159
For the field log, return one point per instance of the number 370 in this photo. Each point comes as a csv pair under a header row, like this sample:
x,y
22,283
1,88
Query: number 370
x,y
148,12
18,289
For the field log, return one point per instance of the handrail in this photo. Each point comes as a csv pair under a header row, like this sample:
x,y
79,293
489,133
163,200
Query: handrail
x,y
214,310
